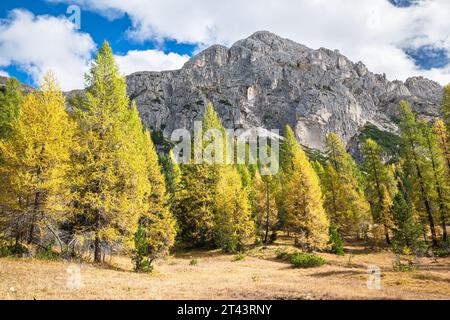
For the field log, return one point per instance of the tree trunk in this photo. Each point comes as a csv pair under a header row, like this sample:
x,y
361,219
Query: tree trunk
x,y
267,213
386,233
97,250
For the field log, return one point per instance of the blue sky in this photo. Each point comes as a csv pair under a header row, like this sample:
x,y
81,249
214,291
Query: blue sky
x,y
401,38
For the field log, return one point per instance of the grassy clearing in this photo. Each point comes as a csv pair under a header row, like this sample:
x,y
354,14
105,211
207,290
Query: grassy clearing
x,y
261,275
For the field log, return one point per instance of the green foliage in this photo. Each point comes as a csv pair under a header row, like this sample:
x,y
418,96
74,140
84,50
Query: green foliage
x,y
141,260
445,108
193,262
10,103
403,266
335,242
47,253
389,142
303,260
406,230
240,256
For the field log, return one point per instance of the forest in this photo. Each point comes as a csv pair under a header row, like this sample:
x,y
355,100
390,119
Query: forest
x,y
87,182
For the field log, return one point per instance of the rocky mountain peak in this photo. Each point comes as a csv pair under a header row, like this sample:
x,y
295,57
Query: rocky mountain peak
x,y
270,82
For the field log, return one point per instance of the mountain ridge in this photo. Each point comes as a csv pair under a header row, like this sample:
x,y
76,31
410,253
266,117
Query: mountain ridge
x,y
269,81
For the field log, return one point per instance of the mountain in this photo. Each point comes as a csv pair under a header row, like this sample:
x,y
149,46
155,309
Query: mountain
x,y
268,81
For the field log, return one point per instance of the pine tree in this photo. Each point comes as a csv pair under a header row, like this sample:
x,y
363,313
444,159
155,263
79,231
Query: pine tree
x,y
344,198
172,173
36,159
233,225
110,171
264,206
10,101
306,216
380,185
418,165
406,230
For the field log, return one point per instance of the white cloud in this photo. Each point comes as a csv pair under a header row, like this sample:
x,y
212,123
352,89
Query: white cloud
x,y
4,73
37,44
149,60
373,31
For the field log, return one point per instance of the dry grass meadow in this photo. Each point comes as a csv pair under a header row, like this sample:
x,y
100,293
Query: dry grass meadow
x,y
218,276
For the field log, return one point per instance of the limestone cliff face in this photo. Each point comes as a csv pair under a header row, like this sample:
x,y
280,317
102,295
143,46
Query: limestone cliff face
x,y
267,81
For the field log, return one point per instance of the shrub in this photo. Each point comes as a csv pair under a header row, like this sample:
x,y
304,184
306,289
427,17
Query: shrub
x,y
13,250
193,262
282,253
441,252
47,253
400,266
335,242
302,260
240,256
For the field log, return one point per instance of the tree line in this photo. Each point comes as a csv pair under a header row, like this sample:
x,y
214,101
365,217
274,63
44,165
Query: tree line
x,y
88,178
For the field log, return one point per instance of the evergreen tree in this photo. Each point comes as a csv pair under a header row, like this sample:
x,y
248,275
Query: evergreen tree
x,y
10,101
380,185
406,230
264,206
335,242
306,216
344,198
172,173
110,172
445,109
36,159
418,166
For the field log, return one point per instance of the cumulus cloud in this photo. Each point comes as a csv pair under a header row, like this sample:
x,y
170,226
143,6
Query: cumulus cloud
x,y
149,60
4,73
38,44
373,31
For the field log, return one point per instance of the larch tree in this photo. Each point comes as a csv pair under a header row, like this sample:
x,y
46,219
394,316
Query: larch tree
x,y
233,224
287,148
157,230
194,203
440,177
305,215
344,197
36,158
264,206
110,171
418,166
380,185
443,142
